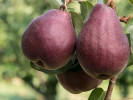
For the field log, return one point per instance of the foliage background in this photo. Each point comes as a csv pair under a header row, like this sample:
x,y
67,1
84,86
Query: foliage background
x,y
18,81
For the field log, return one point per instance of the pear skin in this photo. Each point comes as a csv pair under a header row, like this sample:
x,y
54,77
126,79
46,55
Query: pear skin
x,y
49,40
102,47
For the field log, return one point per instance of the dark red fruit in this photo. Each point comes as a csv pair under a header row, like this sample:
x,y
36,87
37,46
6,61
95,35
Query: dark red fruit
x,y
49,40
77,81
102,48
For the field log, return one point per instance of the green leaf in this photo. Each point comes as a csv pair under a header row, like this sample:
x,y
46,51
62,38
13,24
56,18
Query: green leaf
x,y
54,4
93,1
130,61
129,39
68,66
102,96
105,1
97,94
77,22
129,27
86,8
129,30
74,58
74,6
63,1
131,1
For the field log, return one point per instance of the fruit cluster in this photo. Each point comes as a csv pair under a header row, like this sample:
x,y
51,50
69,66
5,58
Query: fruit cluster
x,y
102,49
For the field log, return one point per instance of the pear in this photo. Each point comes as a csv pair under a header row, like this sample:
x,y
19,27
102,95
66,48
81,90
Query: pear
x,y
76,81
102,47
49,40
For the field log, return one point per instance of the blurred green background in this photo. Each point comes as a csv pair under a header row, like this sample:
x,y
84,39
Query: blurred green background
x,y
18,81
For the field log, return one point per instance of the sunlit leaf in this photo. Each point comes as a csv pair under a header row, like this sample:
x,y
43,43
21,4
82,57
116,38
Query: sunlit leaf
x,y
77,21
129,27
86,8
93,1
102,96
54,4
129,30
74,6
97,94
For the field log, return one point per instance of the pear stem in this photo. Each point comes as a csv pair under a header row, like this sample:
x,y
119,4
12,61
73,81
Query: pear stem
x,y
110,88
64,5
125,19
111,3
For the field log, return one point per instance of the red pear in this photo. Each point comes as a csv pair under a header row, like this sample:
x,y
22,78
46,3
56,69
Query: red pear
x,y
49,40
102,47
77,81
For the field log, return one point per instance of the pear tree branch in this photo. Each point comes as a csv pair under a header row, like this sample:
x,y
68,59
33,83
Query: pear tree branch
x,y
125,19
110,88
127,98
